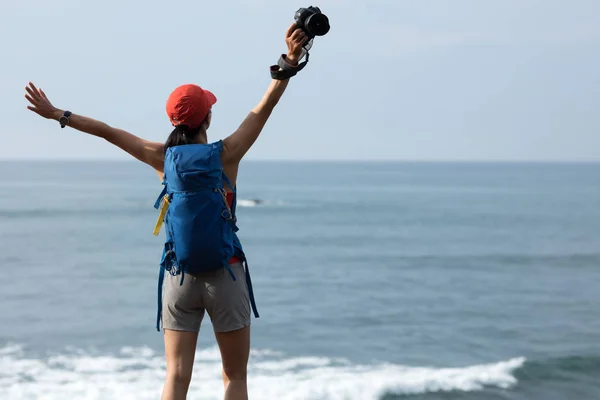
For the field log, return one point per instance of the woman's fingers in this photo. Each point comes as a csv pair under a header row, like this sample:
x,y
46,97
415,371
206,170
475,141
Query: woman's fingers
x,y
33,94
301,37
33,87
290,29
35,110
296,35
30,99
39,103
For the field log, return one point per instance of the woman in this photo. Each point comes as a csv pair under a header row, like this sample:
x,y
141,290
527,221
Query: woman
x,y
184,306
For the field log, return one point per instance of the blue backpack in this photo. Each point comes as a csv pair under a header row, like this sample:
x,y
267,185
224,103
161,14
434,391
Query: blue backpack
x,y
200,226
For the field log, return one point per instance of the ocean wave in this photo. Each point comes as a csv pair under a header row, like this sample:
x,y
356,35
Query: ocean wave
x,y
572,368
250,202
139,372
262,203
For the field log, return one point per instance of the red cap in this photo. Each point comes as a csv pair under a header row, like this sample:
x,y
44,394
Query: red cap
x,y
189,105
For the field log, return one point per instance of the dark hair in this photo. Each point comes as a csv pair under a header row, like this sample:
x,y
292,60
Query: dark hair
x,y
182,134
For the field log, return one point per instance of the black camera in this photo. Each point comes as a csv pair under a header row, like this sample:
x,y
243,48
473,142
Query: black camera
x,y
312,21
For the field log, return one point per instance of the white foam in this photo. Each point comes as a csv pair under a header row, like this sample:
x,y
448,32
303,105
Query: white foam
x,y
138,373
260,203
247,203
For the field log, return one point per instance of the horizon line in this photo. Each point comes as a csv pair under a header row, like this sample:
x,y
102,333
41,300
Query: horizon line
x,y
330,160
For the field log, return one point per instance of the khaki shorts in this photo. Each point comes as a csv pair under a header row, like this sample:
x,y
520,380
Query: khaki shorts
x,y
226,301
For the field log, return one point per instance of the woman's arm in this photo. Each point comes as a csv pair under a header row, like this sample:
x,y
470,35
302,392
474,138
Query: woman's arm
x,y
148,152
238,143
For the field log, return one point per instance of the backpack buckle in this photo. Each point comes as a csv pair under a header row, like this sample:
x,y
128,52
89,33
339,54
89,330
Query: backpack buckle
x,y
226,214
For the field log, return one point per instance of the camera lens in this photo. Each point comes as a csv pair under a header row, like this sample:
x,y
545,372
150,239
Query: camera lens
x,y
317,24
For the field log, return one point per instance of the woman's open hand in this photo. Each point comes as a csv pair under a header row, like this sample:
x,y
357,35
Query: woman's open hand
x,y
40,103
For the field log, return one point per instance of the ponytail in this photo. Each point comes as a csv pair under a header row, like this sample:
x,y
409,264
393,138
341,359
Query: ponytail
x,y
182,134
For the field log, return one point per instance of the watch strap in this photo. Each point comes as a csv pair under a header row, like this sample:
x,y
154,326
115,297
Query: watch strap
x,y
64,119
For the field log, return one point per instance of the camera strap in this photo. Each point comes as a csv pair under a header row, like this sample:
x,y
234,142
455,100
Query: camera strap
x,y
283,70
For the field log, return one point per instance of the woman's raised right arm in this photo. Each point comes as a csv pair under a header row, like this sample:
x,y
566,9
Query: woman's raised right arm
x,y
148,152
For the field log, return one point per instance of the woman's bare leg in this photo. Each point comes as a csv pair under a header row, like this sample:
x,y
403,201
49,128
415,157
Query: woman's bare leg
x,y
180,349
235,351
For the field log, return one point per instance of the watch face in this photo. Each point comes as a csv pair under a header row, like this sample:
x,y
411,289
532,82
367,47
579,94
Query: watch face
x,y
63,120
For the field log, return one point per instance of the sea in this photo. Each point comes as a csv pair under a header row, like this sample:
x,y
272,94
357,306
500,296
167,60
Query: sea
x,y
373,280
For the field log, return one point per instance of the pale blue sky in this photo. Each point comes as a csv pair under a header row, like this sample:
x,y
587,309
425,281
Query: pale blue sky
x,y
406,80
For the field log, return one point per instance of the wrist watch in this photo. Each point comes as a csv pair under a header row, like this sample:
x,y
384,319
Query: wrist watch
x,y
64,120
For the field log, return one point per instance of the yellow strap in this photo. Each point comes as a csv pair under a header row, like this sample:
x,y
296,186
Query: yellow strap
x,y
161,215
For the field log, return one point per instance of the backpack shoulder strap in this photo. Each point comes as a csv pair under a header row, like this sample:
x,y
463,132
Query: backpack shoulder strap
x,y
228,182
230,215
162,193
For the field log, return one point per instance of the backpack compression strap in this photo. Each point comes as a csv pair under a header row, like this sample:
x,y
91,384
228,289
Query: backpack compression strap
x,y
163,207
245,262
250,291
161,215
